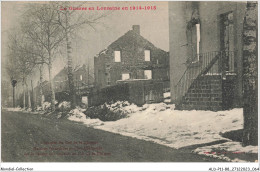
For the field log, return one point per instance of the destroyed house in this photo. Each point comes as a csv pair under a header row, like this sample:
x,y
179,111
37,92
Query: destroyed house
x,y
130,57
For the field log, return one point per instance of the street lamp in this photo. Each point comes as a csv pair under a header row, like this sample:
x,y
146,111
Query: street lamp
x,y
14,84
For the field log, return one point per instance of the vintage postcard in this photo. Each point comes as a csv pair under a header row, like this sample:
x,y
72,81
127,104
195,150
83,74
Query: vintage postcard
x,y
147,81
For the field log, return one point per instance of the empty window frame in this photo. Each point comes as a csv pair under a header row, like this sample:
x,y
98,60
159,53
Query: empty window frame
x,y
117,56
147,54
194,37
125,76
148,74
198,40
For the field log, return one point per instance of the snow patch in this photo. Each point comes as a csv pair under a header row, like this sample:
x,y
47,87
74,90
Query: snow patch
x,y
46,105
64,106
167,95
14,109
162,124
167,101
124,107
38,108
78,116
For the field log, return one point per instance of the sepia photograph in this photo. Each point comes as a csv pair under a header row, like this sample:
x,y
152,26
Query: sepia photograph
x,y
129,81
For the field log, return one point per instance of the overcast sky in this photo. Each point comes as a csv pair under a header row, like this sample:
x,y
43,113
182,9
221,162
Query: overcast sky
x,y
89,42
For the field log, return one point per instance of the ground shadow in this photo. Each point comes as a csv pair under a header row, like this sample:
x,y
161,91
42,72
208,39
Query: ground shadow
x,y
235,135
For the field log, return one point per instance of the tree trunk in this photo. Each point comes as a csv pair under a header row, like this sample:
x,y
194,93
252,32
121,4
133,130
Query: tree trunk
x,y
88,72
41,91
250,61
23,93
70,65
14,96
29,97
32,97
52,87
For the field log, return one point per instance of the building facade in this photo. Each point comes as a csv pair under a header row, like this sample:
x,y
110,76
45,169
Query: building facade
x,y
83,81
81,78
206,54
130,57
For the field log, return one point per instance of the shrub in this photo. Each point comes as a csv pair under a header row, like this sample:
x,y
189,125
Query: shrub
x,y
64,106
46,106
38,108
103,113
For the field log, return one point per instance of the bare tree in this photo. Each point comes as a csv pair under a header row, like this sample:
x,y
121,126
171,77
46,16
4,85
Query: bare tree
x,y
38,58
71,22
12,71
18,66
41,27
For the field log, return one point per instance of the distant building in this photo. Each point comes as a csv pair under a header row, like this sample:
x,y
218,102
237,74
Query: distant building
x,y
130,57
81,78
61,81
82,82
206,54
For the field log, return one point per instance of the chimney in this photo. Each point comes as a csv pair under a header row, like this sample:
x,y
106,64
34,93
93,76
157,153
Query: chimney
x,y
136,29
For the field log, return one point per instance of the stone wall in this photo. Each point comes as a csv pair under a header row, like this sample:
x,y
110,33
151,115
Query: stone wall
x,y
210,92
204,94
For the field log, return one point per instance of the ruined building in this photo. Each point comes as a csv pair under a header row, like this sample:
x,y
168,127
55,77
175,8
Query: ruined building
x,y
206,54
130,57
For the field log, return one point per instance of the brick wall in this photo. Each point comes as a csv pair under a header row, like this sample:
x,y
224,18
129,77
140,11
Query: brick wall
x,y
204,94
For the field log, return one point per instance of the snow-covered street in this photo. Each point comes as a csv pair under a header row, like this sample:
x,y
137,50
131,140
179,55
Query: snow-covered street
x,y
162,124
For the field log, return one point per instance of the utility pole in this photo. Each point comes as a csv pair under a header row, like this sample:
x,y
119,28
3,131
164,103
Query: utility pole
x,y
14,84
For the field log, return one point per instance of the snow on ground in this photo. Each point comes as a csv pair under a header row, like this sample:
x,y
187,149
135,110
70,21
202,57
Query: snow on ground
x,y
46,105
167,101
78,116
167,95
38,108
164,125
124,107
19,109
14,109
64,106
219,150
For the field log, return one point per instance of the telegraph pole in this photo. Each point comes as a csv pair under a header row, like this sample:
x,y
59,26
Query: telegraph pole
x,y
14,84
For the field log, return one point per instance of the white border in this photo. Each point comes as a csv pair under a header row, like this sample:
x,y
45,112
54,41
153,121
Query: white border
x,y
127,166
95,166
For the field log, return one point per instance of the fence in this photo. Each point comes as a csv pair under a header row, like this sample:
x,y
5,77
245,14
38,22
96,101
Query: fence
x,y
137,92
